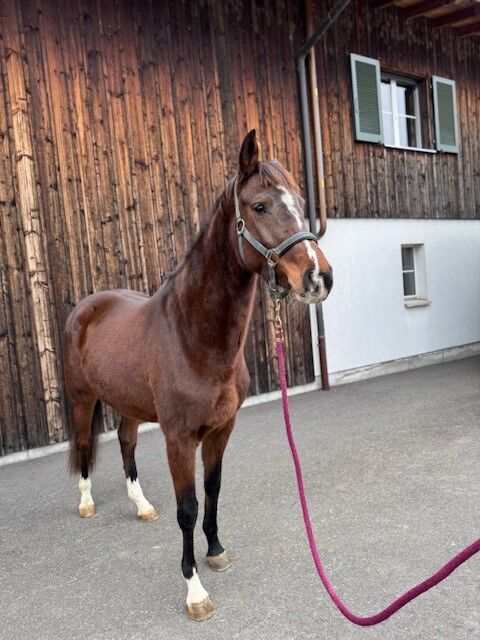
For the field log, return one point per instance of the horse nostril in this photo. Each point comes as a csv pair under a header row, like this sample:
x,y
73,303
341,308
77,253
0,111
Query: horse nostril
x,y
328,280
310,281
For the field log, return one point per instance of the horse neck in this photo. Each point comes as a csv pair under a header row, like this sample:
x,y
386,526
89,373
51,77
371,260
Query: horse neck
x,y
214,291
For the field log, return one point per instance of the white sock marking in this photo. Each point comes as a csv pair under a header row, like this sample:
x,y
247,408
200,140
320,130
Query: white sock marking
x,y
85,486
135,494
196,593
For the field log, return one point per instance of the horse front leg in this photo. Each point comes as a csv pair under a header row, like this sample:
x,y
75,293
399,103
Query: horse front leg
x,y
213,448
181,460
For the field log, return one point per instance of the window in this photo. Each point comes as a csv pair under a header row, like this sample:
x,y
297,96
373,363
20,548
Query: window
x,y
408,270
400,112
386,108
414,275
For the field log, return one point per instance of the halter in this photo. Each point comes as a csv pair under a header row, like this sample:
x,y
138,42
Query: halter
x,y
272,256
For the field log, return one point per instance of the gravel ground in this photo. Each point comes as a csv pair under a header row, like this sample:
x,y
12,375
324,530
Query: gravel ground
x,y
392,473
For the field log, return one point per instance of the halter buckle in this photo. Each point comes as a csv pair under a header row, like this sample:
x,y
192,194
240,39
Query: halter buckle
x,y
272,258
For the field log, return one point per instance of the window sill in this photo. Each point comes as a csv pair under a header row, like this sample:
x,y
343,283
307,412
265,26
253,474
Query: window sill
x,y
394,146
416,302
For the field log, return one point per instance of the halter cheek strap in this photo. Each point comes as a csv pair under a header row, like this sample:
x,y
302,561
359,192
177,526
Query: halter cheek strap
x,y
272,256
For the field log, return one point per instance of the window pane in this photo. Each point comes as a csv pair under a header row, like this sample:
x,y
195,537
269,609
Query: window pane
x,y
406,100
387,128
408,284
412,132
386,96
407,131
407,258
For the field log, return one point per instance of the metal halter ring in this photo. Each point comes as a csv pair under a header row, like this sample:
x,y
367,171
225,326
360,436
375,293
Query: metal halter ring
x,y
240,226
272,257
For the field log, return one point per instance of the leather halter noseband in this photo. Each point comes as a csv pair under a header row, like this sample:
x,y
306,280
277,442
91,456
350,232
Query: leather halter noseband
x,y
272,256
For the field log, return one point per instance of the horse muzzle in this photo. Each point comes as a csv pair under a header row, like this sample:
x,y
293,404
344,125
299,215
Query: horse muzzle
x,y
316,286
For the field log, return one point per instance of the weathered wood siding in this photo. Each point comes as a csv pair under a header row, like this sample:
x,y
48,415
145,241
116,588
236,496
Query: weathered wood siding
x,y
370,180
119,124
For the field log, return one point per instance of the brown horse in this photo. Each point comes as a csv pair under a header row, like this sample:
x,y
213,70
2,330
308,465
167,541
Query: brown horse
x,y
177,357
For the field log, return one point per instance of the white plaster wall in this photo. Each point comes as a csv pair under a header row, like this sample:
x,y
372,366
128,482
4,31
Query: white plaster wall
x,y
366,321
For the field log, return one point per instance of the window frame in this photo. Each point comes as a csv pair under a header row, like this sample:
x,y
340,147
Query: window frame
x,y
420,297
395,81
412,296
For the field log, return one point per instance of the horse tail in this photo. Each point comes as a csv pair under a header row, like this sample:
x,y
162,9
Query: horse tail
x,y
82,456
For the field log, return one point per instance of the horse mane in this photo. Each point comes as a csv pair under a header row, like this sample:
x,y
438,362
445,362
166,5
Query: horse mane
x,y
271,172
221,202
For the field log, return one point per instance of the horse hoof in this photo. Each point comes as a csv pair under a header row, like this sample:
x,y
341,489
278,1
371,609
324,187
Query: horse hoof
x,y
148,516
86,511
219,563
200,611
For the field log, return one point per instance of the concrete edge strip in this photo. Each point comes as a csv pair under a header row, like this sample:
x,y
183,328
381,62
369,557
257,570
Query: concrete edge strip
x,y
339,377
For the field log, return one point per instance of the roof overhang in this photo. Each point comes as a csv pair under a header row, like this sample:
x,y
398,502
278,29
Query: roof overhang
x,y
463,16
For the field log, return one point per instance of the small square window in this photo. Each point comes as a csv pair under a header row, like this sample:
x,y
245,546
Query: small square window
x,y
414,275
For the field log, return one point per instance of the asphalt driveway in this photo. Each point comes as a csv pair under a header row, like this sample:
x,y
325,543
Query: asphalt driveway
x,y
393,477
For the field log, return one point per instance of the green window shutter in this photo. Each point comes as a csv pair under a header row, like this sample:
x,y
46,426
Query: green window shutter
x,y
367,108
445,107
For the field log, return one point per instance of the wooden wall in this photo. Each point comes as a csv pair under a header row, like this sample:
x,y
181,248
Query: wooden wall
x,y
370,180
119,124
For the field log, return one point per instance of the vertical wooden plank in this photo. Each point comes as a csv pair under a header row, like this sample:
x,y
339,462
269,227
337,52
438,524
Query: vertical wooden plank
x,y
59,108
212,99
71,25
12,425
23,372
111,51
150,59
29,207
101,166
171,162
143,209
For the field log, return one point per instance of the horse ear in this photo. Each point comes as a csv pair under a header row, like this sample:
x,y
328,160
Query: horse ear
x,y
248,156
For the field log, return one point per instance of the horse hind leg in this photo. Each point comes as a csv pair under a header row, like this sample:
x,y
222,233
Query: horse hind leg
x,y
127,435
86,416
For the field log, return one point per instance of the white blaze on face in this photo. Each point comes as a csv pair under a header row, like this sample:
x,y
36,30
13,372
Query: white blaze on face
x,y
196,593
135,494
289,201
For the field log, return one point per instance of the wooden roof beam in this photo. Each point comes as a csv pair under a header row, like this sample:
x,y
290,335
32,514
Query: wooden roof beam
x,y
421,8
381,4
454,16
468,29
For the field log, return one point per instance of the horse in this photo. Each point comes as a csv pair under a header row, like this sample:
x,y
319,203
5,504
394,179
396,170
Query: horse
x,y
177,357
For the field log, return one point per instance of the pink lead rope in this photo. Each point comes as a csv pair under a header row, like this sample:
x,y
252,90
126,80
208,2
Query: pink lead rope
x,y
400,602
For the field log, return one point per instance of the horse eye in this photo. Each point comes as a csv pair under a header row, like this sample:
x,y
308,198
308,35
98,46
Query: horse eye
x,y
259,208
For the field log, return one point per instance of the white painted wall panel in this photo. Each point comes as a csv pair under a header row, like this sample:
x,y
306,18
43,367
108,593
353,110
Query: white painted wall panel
x,y
366,321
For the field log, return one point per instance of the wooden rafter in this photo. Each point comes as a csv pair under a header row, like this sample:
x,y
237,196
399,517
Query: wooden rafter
x,y
468,29
420,9
381,4
454,16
